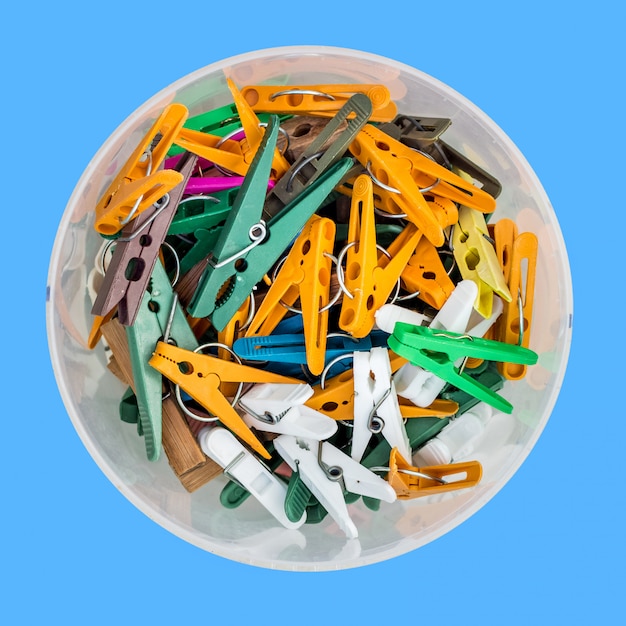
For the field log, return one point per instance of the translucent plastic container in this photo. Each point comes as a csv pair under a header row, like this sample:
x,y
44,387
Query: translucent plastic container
x,y
249,533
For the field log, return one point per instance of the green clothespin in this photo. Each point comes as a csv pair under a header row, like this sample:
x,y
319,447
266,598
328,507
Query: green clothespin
x,y
297,498
247,246
159,316
202,212
438,350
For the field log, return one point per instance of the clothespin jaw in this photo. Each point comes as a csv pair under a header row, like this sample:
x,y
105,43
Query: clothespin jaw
x,y
140,183
369,277
305,275
318,100
409,173
414,482
201,375
158,307
477,260
437,351
518,255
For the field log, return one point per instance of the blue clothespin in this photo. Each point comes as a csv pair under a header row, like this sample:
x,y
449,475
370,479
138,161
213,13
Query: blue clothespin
x,y
291,348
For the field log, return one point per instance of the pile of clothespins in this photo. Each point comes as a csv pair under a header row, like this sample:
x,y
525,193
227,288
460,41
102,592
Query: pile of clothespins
x,y
303,290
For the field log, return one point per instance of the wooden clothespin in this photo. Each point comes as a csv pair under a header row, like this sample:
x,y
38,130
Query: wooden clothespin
x,y
140,183
370,277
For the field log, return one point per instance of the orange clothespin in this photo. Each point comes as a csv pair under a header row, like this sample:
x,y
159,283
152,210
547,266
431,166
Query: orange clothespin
x,y
517,254
416,482
140,182
201,375
369,278
305,274
235,156
409,175
319,100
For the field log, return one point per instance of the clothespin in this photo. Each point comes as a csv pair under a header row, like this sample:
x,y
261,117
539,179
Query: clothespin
x,y
415,482
409,174
476,259
247,246
376,408
243,467
438,351
200,375
140,183
279,408
424,134
369,277
517,254
321,154
291,348
328,472
305,275
159,316
136,253
322,100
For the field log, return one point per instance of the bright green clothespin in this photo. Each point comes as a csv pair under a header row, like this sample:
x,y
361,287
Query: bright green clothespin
x,y
159,315
247,246
438,350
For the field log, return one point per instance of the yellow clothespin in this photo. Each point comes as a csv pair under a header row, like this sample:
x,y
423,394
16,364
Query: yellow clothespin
x,y
409,174
369,278
477,260
140,182
305,274
416,482
201,375
518,255
319,100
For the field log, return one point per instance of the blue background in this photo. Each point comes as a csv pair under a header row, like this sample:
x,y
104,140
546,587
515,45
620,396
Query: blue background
x,y
548,549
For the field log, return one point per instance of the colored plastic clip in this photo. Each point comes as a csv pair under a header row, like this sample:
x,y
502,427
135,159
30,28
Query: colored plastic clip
x,y
291,348
477,260
200,375
415,482
140,183
304,275
323,100
376,408
243,467
409,175
328,472
159,315
518,255
321,154
247,246
370,277
280,409
438,351
136,253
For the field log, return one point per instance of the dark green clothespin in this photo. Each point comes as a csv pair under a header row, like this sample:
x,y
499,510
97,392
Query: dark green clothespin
x,y
159,316
438,351
247,246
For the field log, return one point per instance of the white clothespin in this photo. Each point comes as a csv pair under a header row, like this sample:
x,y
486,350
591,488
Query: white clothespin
x,y
242,466
376,408
326,471
417,384
279,408
389,314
